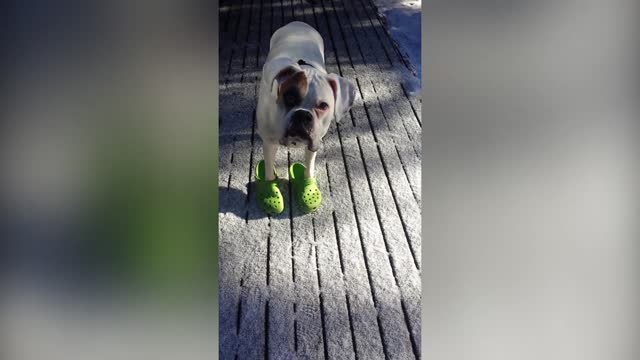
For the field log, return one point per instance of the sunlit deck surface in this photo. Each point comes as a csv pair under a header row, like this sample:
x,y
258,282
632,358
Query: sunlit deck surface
x,y
344,282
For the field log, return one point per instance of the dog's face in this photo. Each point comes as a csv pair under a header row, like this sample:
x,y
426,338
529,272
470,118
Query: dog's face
x,y
307,101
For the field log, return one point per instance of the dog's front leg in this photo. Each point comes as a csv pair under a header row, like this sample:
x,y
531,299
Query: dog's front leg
x,y
309,163
269,160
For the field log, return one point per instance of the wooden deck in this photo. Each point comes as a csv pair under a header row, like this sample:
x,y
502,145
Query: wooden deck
x,y
343,283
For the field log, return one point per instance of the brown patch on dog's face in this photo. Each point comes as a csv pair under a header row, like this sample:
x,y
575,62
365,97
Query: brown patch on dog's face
x,y
293,90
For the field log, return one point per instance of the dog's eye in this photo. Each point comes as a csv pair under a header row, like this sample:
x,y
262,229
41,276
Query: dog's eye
x,y
290,99
323,106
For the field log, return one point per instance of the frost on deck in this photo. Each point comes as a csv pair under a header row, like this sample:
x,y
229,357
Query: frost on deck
x,y
344,282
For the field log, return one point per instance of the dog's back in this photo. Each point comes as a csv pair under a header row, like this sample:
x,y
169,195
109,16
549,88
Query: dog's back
x,y
297,40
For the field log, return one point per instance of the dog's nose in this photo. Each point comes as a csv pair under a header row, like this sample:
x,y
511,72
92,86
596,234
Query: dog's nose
x,y
303,119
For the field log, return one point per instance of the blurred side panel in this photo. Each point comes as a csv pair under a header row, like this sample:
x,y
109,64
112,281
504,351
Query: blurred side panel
x,y
530,179
108,180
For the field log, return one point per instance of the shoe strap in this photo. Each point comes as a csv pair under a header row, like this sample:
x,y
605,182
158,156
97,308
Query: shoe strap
x,y
267,184
308,181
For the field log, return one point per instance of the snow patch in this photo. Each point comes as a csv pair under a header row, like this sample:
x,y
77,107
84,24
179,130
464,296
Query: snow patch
x,y
403,19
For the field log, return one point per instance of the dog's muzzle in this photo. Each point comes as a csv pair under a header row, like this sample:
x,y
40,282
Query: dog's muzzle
x,y
300,129
301,124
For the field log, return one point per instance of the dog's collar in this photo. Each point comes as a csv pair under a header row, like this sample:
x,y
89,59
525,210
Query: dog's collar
x,y
302,62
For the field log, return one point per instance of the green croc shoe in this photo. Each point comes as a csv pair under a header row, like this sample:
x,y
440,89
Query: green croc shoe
x,y
305,190
267,193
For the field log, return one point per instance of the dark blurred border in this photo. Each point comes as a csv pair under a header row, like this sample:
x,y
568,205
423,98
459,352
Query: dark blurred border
x,y
530,170
109,158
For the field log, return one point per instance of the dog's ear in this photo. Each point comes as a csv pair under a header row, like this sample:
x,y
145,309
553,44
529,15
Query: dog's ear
x,y
344,93
277,71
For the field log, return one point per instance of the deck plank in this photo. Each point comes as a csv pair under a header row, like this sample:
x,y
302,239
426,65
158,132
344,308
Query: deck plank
x,y
254,290
360,299
235,100
375,131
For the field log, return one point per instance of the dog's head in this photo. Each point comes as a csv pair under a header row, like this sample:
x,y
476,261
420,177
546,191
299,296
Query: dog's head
x,y
307,100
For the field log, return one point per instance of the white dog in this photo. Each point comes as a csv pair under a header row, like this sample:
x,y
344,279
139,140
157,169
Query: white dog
x,y
298,99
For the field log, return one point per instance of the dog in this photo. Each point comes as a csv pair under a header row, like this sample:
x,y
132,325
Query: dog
x,y
298,99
